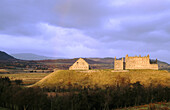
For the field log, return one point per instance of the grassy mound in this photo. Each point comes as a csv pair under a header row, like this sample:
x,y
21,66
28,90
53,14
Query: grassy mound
x,y
103,78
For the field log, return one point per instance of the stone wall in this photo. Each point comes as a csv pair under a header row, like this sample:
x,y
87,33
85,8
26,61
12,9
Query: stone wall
x,y
139,63
80,64
153,66
136,62
118,64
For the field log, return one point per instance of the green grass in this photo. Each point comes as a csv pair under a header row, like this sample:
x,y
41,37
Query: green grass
x,y
103,78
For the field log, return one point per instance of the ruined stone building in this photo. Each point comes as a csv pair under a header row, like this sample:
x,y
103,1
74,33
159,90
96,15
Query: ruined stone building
x,y
80,64
134,63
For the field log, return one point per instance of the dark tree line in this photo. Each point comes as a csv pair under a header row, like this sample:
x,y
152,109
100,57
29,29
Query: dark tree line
x,y
122,95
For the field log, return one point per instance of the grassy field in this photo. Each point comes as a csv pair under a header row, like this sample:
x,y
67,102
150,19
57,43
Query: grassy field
x,y
27,78
103,78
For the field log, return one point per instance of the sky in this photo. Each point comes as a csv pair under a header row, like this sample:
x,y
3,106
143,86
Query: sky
x,y
86,28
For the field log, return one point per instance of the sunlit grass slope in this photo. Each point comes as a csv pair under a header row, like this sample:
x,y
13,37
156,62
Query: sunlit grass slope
x,y
103,78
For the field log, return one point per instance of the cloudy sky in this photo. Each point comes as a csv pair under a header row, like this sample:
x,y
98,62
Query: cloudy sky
x,y
86,28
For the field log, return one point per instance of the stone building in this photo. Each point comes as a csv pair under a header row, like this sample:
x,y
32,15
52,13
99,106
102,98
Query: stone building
x,y
134,63
80,64
119,64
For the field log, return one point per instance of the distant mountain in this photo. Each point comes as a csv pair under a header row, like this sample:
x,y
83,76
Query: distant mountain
x,y
30,56
69,61
163,65
5,56
60,63
103,60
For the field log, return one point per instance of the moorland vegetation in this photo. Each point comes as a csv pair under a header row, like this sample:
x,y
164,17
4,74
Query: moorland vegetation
x,y
16,97
87,90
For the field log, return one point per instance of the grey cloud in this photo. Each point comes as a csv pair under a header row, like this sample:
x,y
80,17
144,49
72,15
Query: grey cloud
x,y
141,7
20,17
82,14
151,31
73,14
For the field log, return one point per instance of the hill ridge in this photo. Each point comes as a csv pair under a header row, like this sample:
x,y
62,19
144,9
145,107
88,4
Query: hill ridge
x,y
5,56
102,78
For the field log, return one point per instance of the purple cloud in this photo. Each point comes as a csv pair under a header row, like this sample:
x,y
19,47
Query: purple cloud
x,y
86,28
